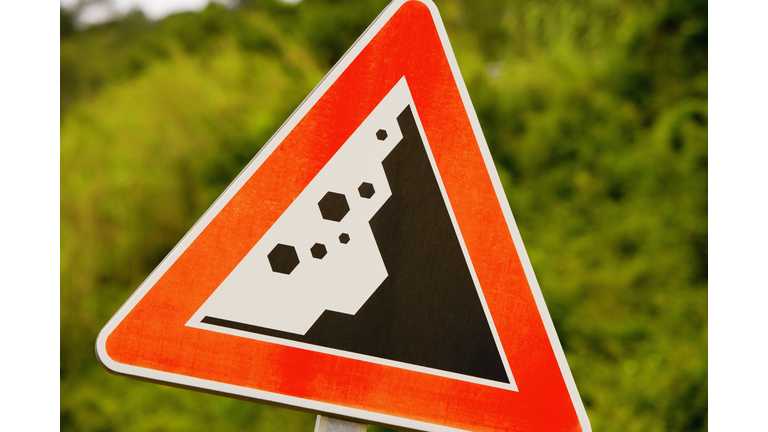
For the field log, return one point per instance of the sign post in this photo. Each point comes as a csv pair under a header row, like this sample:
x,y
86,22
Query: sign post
x,y
365,264
330,424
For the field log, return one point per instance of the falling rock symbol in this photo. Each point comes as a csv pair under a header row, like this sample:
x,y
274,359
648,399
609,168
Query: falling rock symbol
x,y
366,190
333,206
381,134
283,259
385,275
318,250
342,273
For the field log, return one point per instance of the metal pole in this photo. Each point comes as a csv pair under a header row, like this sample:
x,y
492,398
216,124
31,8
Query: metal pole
x,y
330,424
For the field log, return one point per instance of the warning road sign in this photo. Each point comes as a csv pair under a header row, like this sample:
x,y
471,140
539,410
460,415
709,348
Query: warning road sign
x,y
364,264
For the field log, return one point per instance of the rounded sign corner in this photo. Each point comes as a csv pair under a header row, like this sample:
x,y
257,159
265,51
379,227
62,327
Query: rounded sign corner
x,y
102,355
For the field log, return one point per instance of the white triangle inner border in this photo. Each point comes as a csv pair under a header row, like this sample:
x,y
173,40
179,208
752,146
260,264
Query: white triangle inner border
x,y
396,100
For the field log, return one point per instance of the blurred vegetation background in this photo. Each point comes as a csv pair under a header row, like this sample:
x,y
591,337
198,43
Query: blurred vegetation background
x,y
595,112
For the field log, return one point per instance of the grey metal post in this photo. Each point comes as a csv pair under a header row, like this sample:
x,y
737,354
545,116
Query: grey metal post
x,y
330,424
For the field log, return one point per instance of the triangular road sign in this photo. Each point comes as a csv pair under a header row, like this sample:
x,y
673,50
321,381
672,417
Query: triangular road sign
x,y
365,264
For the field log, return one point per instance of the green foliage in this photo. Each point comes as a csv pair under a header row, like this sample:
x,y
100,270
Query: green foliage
x,y
596,115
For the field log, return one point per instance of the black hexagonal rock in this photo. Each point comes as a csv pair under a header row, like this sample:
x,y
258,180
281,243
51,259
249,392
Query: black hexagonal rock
x,y
381,134
283,259
318,250
366,190
333,206
344,238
